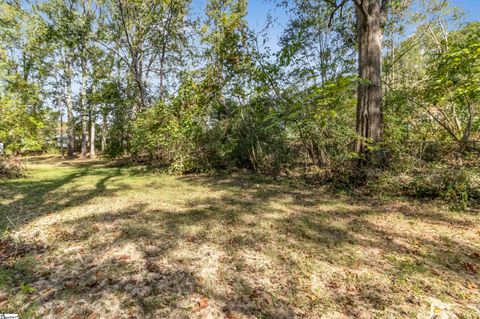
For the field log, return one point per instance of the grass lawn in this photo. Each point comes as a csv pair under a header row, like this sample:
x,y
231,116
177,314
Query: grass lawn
x,y
91,240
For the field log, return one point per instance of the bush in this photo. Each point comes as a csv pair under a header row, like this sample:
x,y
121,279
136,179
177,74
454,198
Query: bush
x,y
456,186
450,184
11,168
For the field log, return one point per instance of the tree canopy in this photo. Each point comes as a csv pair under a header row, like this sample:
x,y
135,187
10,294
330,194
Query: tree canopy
x,y
159,81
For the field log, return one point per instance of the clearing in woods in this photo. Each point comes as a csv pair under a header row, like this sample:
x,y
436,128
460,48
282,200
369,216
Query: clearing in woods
x,y
92,240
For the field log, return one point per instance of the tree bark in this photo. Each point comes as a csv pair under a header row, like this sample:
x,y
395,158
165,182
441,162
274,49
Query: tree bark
x,y
84,108
92,136
104,132
370,15
69,104
136,64
62,151
93,117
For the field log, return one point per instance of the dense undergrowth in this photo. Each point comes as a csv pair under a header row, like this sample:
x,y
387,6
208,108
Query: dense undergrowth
x,y
11,167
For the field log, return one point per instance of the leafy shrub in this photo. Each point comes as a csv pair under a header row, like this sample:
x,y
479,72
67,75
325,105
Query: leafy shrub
x,y
451,185
174,134
152,133
456,186
345,175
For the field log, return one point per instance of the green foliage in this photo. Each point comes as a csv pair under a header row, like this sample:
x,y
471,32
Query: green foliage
x,y
23,116
152,133
18,274
455,185
321,116
258,139
453,85
26,288
172,134
198,95
20,128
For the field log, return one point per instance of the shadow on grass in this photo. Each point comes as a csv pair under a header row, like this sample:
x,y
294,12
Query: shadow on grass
x,y
149,260
28,199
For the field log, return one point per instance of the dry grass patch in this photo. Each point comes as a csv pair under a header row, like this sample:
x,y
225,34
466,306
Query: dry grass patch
x,y
91,240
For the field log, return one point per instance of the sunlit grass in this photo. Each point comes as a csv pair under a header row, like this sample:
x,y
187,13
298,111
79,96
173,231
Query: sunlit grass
x,y
93,239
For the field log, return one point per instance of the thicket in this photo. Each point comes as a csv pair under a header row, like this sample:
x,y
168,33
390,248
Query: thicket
x,y
206,94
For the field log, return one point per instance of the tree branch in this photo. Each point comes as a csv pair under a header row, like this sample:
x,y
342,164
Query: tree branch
x,y
335,9
361,7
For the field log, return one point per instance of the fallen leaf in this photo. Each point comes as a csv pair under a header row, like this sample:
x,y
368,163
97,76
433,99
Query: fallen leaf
x,y
70,284
475,255
203,303
435,272
472,285
333,284
123,257
58,310
232,314
470,267
312,297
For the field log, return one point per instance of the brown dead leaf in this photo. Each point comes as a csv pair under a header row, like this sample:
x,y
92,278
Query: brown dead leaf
x,y
70,284
203,303
471,285
470,267
231,314
58,310
435,272
312,297
123,257
333,284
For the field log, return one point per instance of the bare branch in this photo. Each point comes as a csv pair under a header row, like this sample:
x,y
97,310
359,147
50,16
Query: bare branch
x,y
335,9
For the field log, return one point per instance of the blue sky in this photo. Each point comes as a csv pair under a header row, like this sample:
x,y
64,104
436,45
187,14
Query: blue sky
x,y
258,10
471,7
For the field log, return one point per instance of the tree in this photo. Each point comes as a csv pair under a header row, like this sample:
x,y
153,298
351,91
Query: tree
x,y
59,19
144,35
453,84
371,18
24,116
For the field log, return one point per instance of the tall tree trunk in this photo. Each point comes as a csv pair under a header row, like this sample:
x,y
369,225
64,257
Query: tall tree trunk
x,y
93,117
69,104
162,73
371,15
62,151
84,108
104,132
92,137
